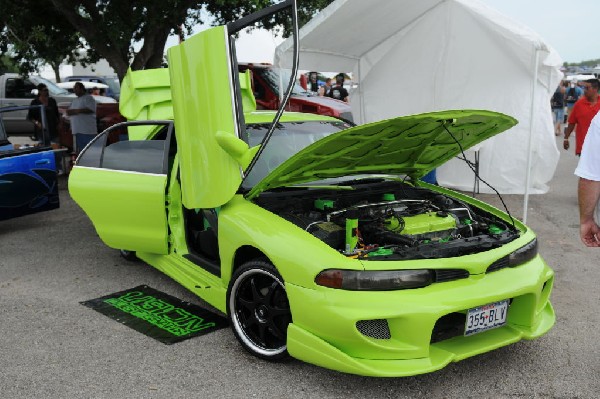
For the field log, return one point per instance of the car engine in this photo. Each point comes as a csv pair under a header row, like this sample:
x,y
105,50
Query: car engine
x,y
390,221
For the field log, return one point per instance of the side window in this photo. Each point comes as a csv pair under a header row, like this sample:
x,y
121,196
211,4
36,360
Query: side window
x,y
112,149
29,86
19,88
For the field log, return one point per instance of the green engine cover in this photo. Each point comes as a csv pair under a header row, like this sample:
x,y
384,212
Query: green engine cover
x,y
425,223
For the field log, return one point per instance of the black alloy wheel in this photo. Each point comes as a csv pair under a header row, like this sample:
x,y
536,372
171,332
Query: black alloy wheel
x,y
258,309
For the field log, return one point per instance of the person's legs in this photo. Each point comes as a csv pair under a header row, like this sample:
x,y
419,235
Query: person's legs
x,y
81,140
559,116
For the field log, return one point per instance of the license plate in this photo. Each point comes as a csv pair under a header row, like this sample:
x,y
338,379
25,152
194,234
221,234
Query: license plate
x,y
486,317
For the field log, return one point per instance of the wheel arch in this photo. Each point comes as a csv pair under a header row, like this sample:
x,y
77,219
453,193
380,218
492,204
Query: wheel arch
x,y
245,254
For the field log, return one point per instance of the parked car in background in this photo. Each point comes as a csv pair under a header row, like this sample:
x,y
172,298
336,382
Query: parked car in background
x,y
114,87
28,174
89,87
16,90
266,83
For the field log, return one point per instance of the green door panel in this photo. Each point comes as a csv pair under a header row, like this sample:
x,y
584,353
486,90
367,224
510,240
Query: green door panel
x,y
127,209
201,87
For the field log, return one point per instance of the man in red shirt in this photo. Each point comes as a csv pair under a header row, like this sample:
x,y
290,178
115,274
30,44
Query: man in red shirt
x,y
582,114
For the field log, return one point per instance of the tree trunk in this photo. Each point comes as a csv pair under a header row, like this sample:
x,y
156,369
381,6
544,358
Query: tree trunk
x,y
56,68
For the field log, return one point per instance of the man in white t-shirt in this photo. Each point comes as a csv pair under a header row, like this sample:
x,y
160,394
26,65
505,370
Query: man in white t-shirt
x,y
588,171
82,114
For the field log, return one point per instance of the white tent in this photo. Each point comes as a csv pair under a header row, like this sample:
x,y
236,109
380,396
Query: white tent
x,y
417,56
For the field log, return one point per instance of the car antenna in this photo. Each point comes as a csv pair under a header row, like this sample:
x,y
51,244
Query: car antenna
x,y
291,84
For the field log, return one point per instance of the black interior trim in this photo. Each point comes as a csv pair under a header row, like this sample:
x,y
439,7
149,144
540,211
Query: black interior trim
x,y
208,265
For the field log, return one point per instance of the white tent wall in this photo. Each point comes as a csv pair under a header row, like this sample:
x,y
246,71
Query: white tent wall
x,y
411,57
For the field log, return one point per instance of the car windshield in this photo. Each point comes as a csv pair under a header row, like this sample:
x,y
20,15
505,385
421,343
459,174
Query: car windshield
x,y
53,88
288,139
114,85
276,78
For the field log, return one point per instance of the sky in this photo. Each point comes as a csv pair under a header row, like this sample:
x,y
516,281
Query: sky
x,y
570,27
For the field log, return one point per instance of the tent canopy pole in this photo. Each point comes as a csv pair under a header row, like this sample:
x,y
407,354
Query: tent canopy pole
x,y
536,60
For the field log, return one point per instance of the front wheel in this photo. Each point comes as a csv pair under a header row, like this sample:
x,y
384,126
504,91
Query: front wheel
x,y
258,309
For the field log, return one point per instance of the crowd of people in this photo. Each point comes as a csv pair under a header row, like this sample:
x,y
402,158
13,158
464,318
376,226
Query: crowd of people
x,y
333,88
81,112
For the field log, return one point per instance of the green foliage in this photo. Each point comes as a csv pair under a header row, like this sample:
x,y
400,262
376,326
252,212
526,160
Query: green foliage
x,y
34,33
7,65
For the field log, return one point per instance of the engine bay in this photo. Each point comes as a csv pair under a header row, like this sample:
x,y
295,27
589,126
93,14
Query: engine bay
x,y
384,220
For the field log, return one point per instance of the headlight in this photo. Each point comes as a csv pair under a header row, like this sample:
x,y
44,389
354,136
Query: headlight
x,y
524,254
355,280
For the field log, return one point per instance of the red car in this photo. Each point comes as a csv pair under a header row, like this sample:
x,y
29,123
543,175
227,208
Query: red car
x,y
266,81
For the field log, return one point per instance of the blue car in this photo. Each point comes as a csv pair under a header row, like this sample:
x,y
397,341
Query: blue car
x,y
28,174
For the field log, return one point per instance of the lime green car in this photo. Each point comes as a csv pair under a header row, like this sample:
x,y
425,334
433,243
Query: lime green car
x,y
316,238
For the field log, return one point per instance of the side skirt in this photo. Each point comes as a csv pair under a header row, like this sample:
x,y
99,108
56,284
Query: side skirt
x,y
197,280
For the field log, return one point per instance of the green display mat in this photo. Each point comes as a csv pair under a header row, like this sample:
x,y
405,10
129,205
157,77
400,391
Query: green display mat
x,y
157,315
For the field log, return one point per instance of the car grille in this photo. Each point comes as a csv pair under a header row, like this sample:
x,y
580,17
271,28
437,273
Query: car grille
x,y
442,275
377,328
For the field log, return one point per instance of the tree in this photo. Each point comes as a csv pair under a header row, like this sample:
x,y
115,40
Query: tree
x,y
229,10
34,34
112,29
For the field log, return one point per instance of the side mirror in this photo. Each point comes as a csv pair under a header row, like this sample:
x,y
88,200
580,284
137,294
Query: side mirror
x,y
34,92
236,148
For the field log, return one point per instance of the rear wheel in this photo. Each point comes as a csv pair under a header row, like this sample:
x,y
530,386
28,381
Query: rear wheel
x,y
259,310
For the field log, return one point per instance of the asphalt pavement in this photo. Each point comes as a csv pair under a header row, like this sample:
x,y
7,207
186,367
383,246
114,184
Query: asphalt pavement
x,y
51,346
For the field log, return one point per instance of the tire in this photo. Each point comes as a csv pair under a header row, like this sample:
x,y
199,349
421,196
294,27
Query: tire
x,y
128,255
258,310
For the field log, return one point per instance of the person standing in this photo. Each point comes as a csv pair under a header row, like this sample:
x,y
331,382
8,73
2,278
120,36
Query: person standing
x,y
583,112
572,94
82,113
338,91
324,90
313,82
52,115
558,108
588,191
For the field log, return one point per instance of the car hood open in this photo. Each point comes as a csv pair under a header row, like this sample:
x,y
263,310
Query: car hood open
x,y
408,145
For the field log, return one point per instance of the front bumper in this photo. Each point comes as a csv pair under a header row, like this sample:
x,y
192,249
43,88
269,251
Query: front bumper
x,y
325,332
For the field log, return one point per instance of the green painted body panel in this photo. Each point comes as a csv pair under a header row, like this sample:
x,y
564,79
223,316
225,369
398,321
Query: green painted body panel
x,y
145,95
203,105
411,145
127,209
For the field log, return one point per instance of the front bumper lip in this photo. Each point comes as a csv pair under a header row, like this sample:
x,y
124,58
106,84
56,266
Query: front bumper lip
x,y
324,330
305,346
